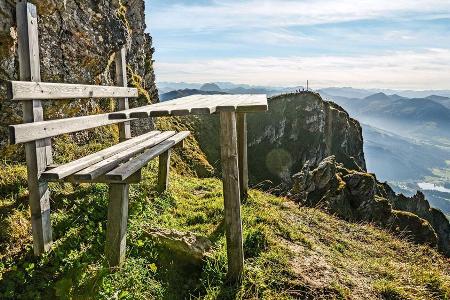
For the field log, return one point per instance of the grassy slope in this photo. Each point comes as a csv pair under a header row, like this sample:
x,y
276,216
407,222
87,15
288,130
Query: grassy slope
x,y
291,252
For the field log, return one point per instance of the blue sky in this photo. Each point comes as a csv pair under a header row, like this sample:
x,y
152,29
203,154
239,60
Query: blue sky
x,y
403,44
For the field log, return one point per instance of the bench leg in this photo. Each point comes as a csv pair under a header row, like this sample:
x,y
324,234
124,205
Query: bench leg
x,y
231,194
163,172
116,230
242,151
39,199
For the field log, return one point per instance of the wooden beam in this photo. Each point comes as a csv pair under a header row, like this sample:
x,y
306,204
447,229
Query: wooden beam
x,y
116,228
242,153
28,132
112,162
197,104
60,172
24,90
135,178
231,194
163,171
38,153
121,79
127,169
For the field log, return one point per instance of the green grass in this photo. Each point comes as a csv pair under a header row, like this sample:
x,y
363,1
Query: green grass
x,y
291,252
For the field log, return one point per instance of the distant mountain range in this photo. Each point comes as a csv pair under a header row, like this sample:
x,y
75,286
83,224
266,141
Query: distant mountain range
x,y
186,92
224,87
425,119
349,92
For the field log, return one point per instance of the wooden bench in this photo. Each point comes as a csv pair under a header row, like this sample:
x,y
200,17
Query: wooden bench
x,y
117,166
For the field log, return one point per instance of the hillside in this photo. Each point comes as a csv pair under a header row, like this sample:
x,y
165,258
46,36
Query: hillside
x,y
291,252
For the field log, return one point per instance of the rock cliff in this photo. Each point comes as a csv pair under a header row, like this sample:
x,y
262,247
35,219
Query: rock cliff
x,y
78,39
299,128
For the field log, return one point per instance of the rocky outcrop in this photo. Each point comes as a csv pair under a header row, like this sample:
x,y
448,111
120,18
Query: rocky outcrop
x,y
78,39
358,196
299,128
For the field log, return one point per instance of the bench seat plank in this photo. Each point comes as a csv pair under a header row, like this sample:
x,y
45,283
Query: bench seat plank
x,y
106,165
160,109
197,104
206,104
25,90
133,179
127,169
28,132
65,170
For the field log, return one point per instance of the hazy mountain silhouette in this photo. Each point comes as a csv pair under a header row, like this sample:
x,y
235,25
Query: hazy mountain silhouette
x,y
210,87
184,93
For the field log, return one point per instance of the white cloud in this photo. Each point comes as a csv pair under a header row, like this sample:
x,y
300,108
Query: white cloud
x,y
226,14
276,36
402,70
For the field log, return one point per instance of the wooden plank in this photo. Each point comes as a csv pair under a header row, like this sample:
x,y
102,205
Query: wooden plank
x,y
28,132
23,90
177,107
125,170
242,152
163,171
198,104
161,107
121,79
231,194
106,165
247,103
38,153
65,170
135,178
116,228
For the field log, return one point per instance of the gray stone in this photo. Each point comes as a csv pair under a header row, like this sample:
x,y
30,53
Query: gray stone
x,y
187,245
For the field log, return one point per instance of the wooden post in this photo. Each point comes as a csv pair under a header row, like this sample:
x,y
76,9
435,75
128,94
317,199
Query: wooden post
x,y
121,79
163,171
242,152
231,194
116,230
38,153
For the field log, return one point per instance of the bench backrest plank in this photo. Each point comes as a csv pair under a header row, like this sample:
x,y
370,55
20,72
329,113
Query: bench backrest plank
x,y
27,132
25,90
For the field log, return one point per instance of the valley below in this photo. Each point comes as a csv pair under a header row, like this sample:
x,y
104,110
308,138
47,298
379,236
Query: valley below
x,y
406,142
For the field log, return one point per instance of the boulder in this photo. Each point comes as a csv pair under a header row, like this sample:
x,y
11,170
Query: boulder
x,y
185,245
